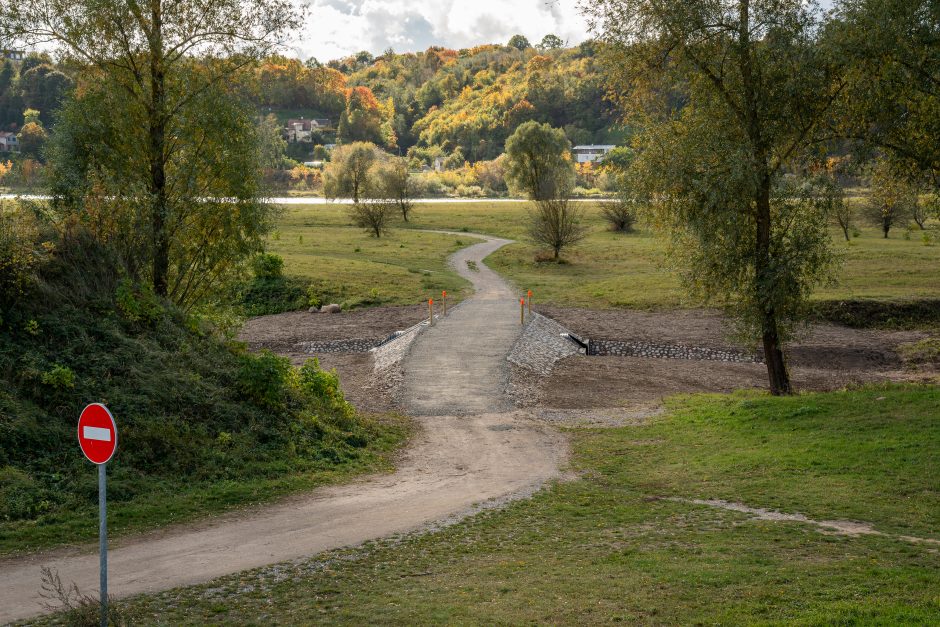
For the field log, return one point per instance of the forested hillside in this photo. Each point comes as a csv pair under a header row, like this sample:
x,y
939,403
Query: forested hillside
x,y
458,105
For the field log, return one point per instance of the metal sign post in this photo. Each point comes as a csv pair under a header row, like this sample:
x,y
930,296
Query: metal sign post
x,y
103,539
97,436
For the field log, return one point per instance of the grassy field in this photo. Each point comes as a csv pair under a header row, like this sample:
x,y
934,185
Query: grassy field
x,y
346,265
613,546
606,270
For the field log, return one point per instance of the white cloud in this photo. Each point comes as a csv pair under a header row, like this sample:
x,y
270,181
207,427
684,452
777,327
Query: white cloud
x,y
336,28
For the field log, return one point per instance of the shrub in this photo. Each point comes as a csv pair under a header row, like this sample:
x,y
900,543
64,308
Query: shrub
x,y
59,377
20,496
620,215
373,216
138,303
20,254
268,266
263,378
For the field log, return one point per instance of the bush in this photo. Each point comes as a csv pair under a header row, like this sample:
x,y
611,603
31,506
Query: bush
x,y
20,254
620,215
263,378
268,266
373,216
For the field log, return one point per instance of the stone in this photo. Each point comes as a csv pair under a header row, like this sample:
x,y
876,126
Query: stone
x,y
331,309
313,310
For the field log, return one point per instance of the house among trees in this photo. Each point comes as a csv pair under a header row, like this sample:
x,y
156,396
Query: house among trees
x,y
14,55
591,153
8,142
302,130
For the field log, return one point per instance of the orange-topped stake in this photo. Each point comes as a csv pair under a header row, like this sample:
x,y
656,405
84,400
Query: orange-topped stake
x,y
444,301
431,312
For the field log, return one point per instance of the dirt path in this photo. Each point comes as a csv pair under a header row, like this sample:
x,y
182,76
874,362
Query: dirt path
x,y
466,454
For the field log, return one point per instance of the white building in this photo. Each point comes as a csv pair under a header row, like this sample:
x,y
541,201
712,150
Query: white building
x,y
591,153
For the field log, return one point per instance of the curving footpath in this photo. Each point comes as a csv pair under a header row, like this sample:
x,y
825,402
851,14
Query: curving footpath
x,y
471,449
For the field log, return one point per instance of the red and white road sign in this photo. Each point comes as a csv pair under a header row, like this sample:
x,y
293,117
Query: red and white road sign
x,y
97,433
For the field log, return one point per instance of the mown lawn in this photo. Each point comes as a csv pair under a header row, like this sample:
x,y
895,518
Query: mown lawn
x,y
612,547
606,270
344,264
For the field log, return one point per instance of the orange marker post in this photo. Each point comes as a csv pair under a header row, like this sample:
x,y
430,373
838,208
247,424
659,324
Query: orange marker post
x,y
529,302
444,302
521,311
431,312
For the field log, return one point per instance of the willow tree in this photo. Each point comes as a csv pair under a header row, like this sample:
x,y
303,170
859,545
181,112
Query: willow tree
x,y
892,100
163,56
728,94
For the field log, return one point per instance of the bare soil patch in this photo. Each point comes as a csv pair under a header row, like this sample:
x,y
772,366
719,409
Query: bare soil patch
x,y
825,346
282,332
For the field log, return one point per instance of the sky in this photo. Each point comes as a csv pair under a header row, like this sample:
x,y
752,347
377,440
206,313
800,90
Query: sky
x,y
337,28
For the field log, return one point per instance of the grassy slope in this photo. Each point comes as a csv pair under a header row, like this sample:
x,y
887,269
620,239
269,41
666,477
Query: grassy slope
x,y
607,548
345,264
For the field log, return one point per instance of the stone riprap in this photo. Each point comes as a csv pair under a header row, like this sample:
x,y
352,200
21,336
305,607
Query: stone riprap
x,y
615,348
534,355
541,344
389,353
353,345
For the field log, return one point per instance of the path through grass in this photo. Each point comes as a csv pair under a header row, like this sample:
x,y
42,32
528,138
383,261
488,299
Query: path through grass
x,y
606,270
609,547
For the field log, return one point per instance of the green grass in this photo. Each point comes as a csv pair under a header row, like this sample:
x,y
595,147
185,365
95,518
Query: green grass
x,y
195,500
346,265
608,547
606,270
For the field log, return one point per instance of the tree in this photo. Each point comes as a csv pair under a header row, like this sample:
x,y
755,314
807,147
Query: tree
x,y
271,142
892,96
149,53
347,175
756,88
892,197
32,140
43,88
832,201
551,42
519,42
217,218
364,119
372,215
556,223
539,161
395,185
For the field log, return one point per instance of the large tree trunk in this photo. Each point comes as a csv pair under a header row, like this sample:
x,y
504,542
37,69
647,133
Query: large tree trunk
x,y
157,135
777,373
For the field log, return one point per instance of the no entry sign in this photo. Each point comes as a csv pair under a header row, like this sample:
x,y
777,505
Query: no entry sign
x,y
97,433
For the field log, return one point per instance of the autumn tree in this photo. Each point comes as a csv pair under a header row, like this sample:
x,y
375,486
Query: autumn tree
x,y
349,172
365,119
163,58
32,137
754,89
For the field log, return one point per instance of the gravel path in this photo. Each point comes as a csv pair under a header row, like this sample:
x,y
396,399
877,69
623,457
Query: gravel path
x,y
458,367
466,454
